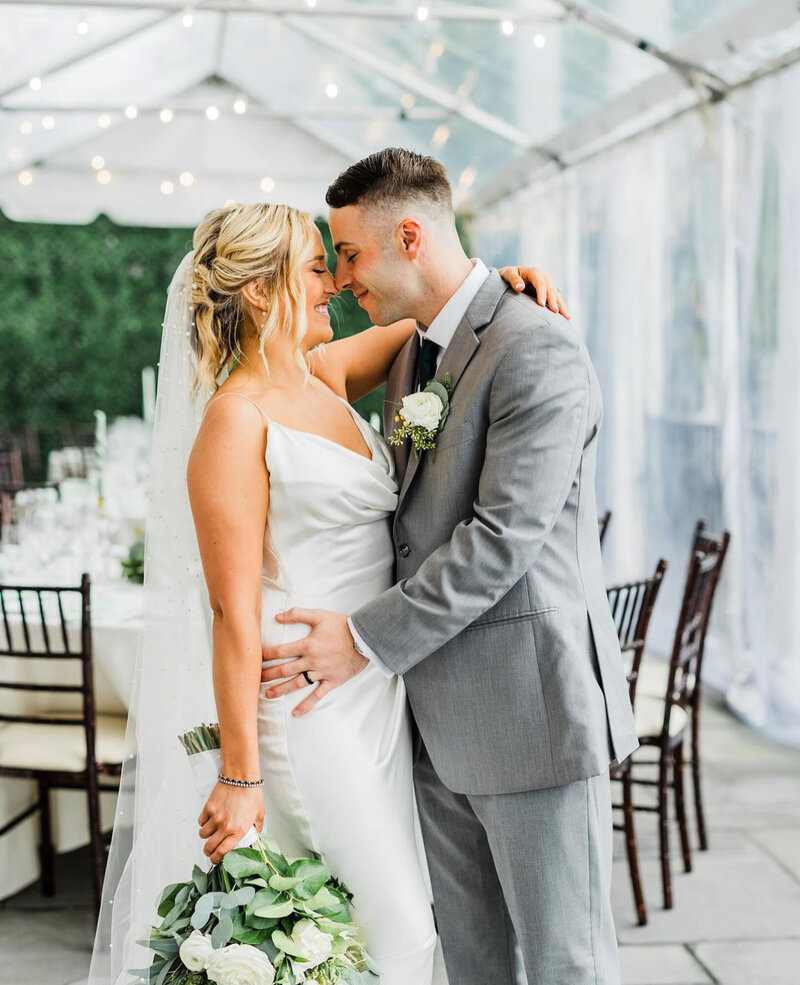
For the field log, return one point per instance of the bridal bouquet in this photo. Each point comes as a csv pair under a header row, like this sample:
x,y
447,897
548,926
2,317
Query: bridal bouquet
x,y
257,918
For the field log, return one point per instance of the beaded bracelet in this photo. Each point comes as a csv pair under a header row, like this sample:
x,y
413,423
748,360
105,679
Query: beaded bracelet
x,y
239,783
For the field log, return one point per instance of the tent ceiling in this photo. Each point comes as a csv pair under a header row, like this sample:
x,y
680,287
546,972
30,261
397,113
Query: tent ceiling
x,y
494,90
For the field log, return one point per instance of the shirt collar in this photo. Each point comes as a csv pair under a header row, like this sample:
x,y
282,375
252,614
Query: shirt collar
x,y
443,327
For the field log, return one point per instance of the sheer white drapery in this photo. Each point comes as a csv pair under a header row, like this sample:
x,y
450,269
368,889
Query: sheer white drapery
x,y
677,251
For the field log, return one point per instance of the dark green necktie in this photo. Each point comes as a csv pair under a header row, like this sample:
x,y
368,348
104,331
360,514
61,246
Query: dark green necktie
x,y
427,362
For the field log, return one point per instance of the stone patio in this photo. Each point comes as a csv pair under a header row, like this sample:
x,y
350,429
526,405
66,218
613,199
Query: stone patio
x,y
736,919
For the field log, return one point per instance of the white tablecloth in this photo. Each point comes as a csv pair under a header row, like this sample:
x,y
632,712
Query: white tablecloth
x,y
116,619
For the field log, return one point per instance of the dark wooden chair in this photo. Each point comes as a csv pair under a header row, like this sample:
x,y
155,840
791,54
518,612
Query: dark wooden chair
x,y
631,607
11,472
662,722
77,435
602,525
63,748
703,543
27,440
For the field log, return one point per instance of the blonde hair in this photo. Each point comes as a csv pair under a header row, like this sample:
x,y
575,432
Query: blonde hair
x,y
233,246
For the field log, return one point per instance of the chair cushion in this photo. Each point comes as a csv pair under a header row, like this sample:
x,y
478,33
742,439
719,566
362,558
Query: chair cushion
x,y
649,713
654,679
34,746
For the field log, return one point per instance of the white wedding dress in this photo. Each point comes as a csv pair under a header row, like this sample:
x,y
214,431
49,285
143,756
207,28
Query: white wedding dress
x,y
338,781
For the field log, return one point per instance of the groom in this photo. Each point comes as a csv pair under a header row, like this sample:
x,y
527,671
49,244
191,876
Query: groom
x,y
498,622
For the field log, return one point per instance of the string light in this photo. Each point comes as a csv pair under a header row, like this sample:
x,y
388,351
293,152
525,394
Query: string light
x,y
440,136
507,27
131,112
331,90
188,17
539,40
311,3
104,121
423,13
35,83
48,123
212,113
267,185
240,105
165,115
104,177
186,178
437,49
83,27
467,177
407,100
98,162
167,188
25,178
26,127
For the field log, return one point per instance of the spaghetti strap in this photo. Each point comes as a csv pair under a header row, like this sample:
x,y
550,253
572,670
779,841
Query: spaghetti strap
x,y
235,393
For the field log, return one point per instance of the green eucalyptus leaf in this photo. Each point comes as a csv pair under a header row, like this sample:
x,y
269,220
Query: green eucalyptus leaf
x,y
276,910
268,947
249,935
166,948
440,391
239,897
321,899
243,862
287,945
284,883
221,934
168,898
262,898
200,879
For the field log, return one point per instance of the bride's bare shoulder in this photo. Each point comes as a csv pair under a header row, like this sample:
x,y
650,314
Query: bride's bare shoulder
x,y
233,428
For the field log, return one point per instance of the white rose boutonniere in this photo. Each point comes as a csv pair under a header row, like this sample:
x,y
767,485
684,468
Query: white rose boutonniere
x,y
422,416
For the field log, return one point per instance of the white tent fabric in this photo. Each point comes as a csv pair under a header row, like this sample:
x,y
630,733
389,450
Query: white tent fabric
x,y
486,86
678,252
632,148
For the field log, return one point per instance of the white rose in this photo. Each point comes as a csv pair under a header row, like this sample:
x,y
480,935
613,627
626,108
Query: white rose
x,y
240,964
195,951
314,945
422,410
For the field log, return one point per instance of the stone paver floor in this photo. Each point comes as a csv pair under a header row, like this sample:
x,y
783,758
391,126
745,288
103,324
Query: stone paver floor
x,y
736,919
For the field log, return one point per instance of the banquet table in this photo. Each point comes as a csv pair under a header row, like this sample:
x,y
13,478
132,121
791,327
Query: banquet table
x,y
57,540
116,619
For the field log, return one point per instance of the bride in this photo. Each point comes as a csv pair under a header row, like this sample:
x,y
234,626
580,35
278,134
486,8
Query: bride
x,y
291,493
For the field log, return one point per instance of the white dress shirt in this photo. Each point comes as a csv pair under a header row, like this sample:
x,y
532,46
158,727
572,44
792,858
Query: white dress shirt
x,y
441,331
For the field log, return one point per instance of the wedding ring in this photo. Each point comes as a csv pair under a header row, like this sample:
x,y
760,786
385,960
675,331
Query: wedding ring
x,y
305,674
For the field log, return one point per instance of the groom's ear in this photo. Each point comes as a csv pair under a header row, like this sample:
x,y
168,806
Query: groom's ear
x,y
408,235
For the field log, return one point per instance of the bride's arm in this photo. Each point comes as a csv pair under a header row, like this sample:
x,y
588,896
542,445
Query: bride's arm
x,y
357,365
229,494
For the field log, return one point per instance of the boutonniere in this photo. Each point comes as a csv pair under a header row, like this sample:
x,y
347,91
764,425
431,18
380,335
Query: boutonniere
x,y
422,416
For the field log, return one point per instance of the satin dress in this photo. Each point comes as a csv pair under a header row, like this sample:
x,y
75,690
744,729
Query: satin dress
x,y
338,781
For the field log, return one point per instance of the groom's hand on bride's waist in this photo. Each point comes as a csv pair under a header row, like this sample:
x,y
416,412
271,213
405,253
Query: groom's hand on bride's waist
x,y
324,659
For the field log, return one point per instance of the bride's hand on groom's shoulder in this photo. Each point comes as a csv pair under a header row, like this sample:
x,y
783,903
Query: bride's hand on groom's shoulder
x,y
327,655
544,291
227,816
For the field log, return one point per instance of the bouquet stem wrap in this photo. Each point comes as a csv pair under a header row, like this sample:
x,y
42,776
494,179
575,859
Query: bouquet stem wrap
x,y
206,765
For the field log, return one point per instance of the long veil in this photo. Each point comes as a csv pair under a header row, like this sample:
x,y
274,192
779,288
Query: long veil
x,y
155,838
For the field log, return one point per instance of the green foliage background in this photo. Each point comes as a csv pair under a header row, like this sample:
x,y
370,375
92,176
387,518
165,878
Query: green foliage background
x,y
81,315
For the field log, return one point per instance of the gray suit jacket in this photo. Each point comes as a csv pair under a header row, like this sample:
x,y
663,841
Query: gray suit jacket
x,y
499,621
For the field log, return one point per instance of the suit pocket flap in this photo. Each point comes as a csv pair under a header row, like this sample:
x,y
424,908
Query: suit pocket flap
x,y
455,435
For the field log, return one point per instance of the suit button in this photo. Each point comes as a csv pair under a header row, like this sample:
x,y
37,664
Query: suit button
x,y
404,550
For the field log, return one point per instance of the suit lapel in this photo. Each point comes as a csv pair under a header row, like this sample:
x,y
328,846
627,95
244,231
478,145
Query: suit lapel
x,y
399,384
457,356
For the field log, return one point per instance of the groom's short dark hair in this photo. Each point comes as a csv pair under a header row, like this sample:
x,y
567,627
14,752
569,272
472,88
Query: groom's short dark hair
x,y
390,176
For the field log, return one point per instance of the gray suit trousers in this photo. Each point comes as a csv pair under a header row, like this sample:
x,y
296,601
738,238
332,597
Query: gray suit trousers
x,y
535,865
